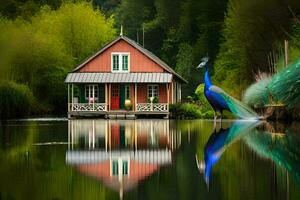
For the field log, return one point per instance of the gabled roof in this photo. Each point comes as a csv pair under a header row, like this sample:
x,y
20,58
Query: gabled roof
x,y
138,47
93,77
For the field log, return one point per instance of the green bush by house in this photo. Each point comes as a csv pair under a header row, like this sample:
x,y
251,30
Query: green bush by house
x,y
189,111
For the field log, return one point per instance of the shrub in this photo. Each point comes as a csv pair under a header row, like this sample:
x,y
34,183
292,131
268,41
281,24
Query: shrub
x,y
185,111
201,99
190,99
15,100
195,107
208,114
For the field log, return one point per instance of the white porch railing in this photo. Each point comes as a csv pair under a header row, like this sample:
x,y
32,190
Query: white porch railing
x,y
84,107
157,107
144,107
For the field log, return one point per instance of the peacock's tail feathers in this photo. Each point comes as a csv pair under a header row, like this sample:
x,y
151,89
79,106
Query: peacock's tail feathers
x,y
258,95
240,128
235,106
285,85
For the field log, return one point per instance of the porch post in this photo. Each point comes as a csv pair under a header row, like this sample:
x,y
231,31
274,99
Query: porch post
x,y
168,95
106,97
109,94
172,89
93,138
72,96
72,136
135,97
69,129
135,135
109,135
68,97
106,135
93,97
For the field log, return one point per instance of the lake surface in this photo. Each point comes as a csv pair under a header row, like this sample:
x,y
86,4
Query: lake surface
x,y
149,159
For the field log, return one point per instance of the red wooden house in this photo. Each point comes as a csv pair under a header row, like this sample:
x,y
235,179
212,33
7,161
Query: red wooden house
x,y
122,78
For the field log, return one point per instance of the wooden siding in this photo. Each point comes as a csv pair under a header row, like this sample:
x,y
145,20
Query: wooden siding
x,y
142,93
96,170
138,171
162,93
138,61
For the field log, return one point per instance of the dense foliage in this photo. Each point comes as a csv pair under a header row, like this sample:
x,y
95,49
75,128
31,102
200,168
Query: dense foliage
x,y
41,41
201,99
40,52
180,32
280,86
252,30
15,100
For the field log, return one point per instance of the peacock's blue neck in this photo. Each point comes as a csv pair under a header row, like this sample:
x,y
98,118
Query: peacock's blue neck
x,y
207,81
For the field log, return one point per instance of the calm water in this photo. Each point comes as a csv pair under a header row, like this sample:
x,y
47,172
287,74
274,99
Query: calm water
x,y
149,159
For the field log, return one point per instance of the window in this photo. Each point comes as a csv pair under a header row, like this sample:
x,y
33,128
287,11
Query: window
x,y
127,91
91,92
153,91
115,168
125,62
120,167
120,62
125,168
115,62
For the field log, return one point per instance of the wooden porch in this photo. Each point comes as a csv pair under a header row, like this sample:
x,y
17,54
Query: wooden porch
x,y
99,100
92,111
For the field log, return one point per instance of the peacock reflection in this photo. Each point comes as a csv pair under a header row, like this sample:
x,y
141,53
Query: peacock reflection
x,y
270,141
219,141
280,144
120,154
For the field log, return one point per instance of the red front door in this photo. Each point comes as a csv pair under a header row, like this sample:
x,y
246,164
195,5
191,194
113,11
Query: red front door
x,y
115,97
115,135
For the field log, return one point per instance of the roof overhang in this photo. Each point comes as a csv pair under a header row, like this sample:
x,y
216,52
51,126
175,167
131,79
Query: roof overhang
x,y
161,157
119,78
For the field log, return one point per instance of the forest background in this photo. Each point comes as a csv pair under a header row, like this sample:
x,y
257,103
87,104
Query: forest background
x,y
41,41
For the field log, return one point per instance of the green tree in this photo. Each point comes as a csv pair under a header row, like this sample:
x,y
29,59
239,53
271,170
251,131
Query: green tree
x,y
252,29
39,53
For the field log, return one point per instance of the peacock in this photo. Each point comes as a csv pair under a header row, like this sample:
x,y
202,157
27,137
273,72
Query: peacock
x,y
220,100
220,140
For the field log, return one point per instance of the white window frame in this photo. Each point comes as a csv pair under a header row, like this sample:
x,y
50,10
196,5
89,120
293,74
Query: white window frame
x,y
120,54
91,94
152,85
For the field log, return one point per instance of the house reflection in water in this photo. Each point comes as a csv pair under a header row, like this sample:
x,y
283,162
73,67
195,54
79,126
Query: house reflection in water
x,y
120,153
